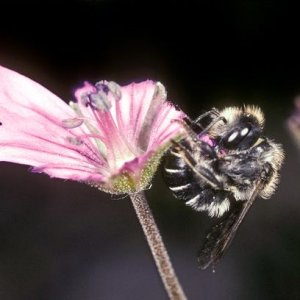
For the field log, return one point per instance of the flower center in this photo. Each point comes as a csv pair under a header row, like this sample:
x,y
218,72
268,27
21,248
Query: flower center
x,y
96,116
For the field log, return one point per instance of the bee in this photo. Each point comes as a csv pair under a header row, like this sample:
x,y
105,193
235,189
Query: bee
x,y
221,166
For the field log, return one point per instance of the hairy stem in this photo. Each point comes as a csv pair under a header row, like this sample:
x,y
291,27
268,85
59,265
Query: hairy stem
x,y
157,247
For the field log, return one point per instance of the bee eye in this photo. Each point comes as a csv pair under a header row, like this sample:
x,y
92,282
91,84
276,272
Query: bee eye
x,y
235,139
244,131
232,136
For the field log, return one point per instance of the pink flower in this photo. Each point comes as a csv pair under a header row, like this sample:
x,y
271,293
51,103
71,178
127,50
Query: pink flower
x,y
112,137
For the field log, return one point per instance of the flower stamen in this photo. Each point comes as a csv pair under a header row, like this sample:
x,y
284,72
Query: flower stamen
x,y
109,86
74,140
99,101
98,98
72,123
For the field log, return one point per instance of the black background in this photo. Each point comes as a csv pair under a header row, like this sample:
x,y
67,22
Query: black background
x,y
65,240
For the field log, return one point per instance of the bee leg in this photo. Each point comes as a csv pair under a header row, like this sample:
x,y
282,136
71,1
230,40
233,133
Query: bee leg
x,y
191,133
213,112
267,172
216,120
202,173
209,177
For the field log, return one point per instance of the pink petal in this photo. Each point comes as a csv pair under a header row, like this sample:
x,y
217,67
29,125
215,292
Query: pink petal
x,y
144,116
32,133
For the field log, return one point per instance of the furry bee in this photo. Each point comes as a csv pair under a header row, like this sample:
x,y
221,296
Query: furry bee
x,y
221,168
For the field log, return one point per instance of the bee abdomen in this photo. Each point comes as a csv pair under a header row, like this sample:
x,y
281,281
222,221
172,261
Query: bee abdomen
x,y
179,178
181,181
181,184
185,192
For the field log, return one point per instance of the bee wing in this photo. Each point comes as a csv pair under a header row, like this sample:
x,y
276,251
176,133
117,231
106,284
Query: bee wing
x,y
222,234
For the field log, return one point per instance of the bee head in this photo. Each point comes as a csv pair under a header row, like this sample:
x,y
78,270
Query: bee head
x,y
240,129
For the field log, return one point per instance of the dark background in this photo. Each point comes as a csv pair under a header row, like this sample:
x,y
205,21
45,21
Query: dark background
x,y
63,240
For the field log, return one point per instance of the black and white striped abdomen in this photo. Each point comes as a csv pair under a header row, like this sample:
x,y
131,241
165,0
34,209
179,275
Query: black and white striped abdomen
x,y
179,177
184,184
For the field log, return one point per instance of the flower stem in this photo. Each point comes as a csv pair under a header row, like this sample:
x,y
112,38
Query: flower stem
x,y
157,247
